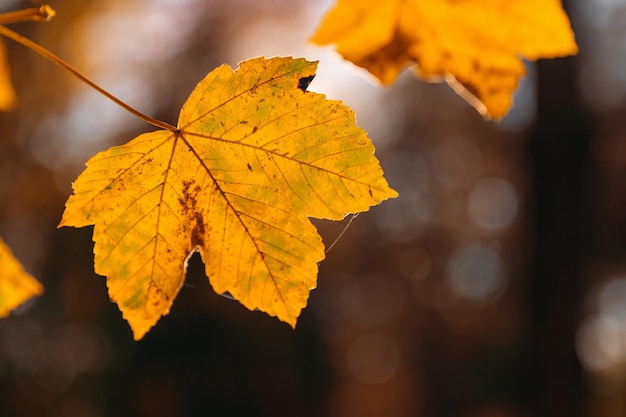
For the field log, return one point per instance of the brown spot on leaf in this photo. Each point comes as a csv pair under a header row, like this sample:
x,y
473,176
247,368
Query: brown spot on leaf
x,y
187,200
198,232
189,205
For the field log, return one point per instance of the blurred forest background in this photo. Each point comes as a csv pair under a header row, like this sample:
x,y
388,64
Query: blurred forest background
x,y
495,286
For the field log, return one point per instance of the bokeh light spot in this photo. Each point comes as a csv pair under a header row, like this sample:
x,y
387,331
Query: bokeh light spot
x,y
493,204
601,339
475,272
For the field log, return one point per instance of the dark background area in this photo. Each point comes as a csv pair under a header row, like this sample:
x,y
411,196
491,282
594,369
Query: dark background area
x,y
495,286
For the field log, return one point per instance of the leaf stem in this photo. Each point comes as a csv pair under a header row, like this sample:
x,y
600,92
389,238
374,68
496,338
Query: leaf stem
x,y
35,47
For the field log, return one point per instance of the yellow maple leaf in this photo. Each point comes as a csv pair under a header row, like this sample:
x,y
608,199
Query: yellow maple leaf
x,y
8,98
255,156
16,286
475,45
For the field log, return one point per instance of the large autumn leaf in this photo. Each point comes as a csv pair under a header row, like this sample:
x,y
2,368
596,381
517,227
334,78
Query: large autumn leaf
x,y
16,285
255,156
475,45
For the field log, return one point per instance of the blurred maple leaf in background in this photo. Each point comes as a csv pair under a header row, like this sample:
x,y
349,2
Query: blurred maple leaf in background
x,y
474,45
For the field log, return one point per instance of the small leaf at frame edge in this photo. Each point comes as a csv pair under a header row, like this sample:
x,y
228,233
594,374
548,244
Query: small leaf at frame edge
x,y
255,157
16,285
8,99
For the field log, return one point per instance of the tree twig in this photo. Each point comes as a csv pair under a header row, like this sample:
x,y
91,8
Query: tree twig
x,y
35,47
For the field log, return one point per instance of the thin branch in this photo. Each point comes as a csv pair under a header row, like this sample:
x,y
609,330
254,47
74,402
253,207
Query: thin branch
x,y
4,31
34,14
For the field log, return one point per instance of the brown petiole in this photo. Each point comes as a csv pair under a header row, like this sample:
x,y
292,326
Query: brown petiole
x,y
44,14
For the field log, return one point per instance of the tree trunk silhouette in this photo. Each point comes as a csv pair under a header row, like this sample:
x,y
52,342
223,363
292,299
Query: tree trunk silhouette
x,y
561,219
